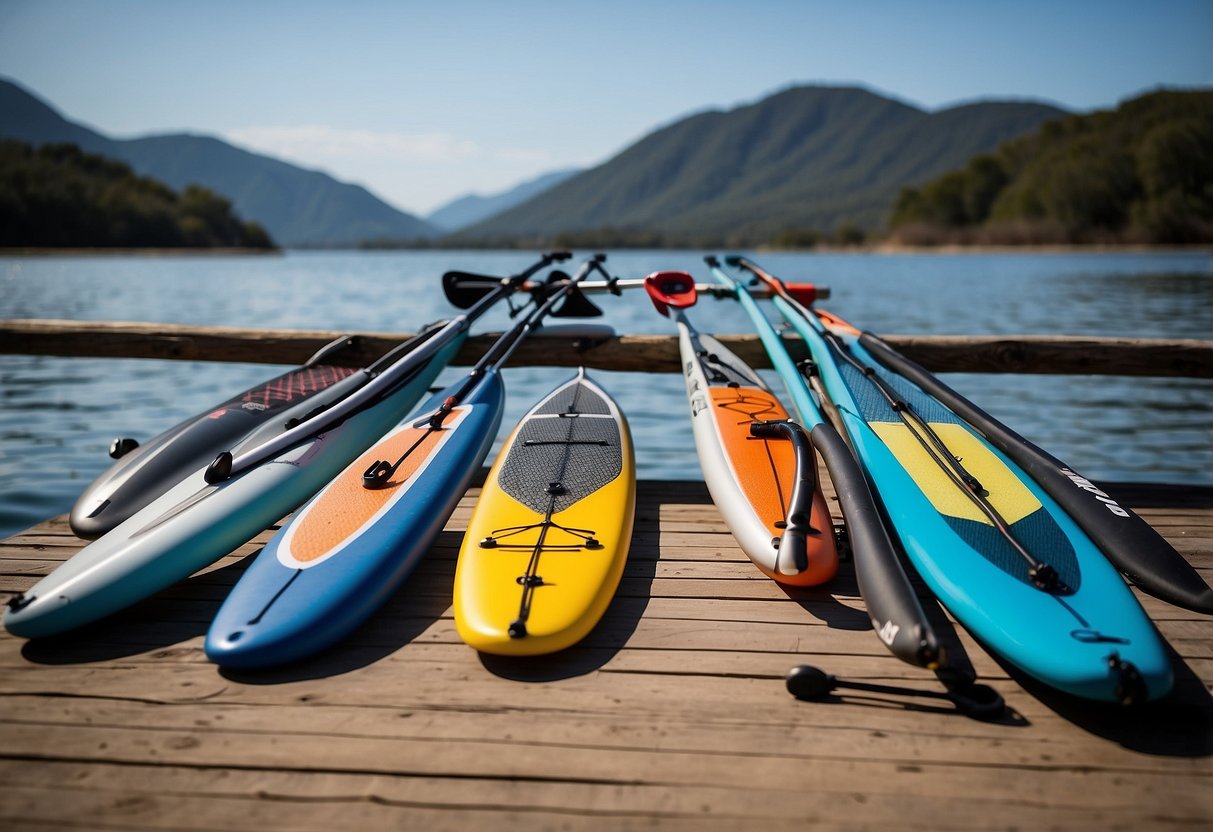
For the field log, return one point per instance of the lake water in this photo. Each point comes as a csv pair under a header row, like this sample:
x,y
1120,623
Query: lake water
x,y
58,415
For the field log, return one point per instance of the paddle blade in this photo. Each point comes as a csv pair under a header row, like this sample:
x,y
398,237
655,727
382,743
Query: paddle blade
x,y
463,289
666,289
804,293
576,305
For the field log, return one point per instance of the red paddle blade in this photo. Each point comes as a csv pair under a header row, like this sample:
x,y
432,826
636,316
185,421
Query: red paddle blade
x,y
803,293
666,289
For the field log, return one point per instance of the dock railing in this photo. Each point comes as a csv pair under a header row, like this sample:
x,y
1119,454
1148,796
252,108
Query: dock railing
x,y
1038,354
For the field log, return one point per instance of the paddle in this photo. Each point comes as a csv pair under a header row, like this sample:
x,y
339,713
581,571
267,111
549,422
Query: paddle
x,y
1131,544
897,617
977,701
463,289
385,375
1128,541
368,528
380,472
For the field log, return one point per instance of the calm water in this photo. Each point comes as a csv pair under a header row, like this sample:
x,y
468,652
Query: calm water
x,y
57,416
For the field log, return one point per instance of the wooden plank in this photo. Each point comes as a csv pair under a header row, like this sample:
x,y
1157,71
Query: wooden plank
x,y
272,726
596,771
349,791
1058,355
1075,355
181,797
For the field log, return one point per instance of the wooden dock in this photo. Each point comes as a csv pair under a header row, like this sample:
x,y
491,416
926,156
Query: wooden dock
x,y
671,715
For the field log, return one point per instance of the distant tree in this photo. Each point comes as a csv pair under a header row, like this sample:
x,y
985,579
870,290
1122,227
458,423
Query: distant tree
x,y
956,199
1090,187
255,236
1175,165
985,179
1177,156
802,238
849,234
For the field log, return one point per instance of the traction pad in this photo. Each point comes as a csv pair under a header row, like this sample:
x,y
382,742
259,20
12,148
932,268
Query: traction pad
x,y
278,393
582,453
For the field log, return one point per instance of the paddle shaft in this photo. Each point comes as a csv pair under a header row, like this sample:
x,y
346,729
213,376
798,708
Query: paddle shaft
x,y
810,414
379,474
381,379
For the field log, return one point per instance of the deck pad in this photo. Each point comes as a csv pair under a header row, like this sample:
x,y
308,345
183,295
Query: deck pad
x,y
345,509
582,453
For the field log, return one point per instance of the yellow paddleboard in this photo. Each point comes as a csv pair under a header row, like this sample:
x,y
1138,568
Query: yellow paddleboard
x,y
549,537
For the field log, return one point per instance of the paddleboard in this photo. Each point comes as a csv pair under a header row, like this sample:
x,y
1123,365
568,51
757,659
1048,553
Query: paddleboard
x,y
751,479
1086,634
546,546
1128,541
349,549
144,472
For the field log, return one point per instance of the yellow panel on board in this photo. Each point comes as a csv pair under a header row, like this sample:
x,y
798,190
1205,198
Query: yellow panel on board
x,y
1009,496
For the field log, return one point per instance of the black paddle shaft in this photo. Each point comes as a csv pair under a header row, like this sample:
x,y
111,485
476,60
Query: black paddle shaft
x,y
897,616
380,472
377,381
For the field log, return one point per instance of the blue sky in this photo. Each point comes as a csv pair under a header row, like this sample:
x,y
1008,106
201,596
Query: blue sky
x,y
424,102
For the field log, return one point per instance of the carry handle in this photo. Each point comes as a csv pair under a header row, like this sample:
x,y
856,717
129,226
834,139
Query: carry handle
x,y
793,543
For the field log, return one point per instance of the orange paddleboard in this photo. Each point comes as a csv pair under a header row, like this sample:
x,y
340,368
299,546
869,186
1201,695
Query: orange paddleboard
x,y
752,479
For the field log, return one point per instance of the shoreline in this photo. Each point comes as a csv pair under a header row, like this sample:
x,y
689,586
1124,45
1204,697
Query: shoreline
x,y
1137,248
138,252
875,248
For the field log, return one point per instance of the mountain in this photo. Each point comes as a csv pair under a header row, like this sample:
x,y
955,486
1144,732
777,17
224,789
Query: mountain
x,y
297,207
1142,173
807,157
470,209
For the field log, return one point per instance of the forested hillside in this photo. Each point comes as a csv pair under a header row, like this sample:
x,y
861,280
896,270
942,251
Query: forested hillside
x,y
58,196
1142,173
801,162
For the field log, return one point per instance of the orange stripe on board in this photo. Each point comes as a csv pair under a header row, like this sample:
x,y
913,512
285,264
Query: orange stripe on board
x,y
836,323
765,469
343,508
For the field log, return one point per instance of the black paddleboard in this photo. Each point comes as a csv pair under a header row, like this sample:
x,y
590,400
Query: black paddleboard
x,y
143,472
